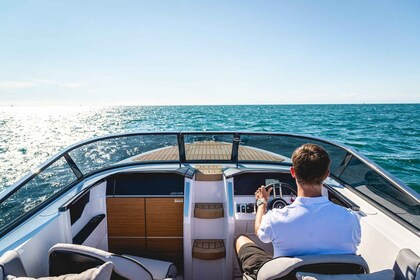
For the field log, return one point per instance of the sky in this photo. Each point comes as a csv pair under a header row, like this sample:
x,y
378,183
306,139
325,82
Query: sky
x,y
156,52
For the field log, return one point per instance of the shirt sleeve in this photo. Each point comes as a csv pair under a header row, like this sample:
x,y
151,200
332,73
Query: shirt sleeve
x,y
357,229
265,232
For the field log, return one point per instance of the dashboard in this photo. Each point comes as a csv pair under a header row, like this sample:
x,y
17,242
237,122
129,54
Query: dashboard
x,y
246,184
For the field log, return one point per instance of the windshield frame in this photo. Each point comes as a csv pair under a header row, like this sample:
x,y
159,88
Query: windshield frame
x,y
180,136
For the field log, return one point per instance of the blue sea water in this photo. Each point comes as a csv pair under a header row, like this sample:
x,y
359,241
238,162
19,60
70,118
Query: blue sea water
x,y
388,134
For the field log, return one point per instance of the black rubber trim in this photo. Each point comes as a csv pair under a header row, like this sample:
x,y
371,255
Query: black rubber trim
x,y
66,206
87,230
235,148
77,207
181,148
347,202
73,166
340,169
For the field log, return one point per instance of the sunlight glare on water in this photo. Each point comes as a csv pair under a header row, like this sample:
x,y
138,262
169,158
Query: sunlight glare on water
x,y
387,134
30,135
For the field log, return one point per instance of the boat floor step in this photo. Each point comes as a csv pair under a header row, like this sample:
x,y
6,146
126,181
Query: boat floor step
x,y
208,210
209,249
208,173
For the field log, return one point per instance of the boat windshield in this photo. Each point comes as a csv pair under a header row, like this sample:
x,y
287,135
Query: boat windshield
x,y
82,160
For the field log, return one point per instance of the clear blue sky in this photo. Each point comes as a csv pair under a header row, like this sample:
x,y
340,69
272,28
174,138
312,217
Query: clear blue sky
x,y
209,52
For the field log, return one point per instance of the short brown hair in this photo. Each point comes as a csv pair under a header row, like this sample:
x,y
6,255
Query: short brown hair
x,y
311,163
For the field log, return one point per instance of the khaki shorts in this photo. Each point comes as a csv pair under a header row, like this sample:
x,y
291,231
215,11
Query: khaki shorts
x,y
251,258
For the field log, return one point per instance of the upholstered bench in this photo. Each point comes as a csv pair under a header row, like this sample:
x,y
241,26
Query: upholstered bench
x,y
71,258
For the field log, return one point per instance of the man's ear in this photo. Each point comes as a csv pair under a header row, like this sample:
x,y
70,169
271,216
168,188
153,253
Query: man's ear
x,y
292,171
326,175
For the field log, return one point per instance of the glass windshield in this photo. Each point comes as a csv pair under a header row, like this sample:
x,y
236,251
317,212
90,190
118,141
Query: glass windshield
x,y
216,147
112,151
363,178
136,148
41,187
284,146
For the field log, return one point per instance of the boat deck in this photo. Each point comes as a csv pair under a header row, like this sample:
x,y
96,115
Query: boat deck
x,y
209,151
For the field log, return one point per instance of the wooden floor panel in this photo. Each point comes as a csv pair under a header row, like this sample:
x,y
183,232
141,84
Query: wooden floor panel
x,y
211,151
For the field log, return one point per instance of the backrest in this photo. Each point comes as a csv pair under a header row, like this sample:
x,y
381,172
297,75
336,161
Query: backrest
x,y
407,265
286,267
11,264
73,258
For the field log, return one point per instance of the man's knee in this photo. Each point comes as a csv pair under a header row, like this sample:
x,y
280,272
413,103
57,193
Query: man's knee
x,y
240,241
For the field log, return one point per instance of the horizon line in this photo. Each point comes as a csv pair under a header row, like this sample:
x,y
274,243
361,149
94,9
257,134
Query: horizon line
x,y
191,105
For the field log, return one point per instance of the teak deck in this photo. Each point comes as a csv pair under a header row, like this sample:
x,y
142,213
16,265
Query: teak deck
x,y
209,151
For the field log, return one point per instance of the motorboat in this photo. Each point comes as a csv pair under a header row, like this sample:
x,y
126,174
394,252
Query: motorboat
x,y
173,202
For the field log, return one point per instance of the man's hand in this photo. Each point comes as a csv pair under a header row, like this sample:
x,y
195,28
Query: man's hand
x,y
261,193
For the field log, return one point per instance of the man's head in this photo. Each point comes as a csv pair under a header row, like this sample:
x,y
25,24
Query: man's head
x,y
310,164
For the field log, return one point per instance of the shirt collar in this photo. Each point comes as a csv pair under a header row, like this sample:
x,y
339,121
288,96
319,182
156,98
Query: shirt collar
x,y
310,200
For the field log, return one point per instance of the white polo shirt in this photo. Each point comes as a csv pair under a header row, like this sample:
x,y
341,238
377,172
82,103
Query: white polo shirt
x,y
311,226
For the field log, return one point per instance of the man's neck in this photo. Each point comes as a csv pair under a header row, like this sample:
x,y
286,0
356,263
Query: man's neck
x,y
309,190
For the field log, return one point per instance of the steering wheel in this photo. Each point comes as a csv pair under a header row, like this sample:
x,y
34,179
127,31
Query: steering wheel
x,y
278,202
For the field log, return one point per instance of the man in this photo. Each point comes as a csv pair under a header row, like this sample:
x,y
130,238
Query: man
x,y
310,225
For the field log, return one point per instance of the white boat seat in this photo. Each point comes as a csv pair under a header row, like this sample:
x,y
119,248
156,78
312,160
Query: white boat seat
x,y
73,258
11,264
407,265
159,269
286,267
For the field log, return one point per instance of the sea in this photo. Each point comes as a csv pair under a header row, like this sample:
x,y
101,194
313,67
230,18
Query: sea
x,y
388,134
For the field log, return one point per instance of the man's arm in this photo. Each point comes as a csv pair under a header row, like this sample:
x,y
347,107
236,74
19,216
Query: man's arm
x,y
261,210
261,193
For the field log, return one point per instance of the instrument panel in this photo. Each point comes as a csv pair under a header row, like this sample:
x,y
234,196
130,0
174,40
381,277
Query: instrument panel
x,y
247,183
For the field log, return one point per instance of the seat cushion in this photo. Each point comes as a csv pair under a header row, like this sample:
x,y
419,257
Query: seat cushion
x,y
130,267
98,273
387,274
333,264
407,265
12,264
71,258
159,269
